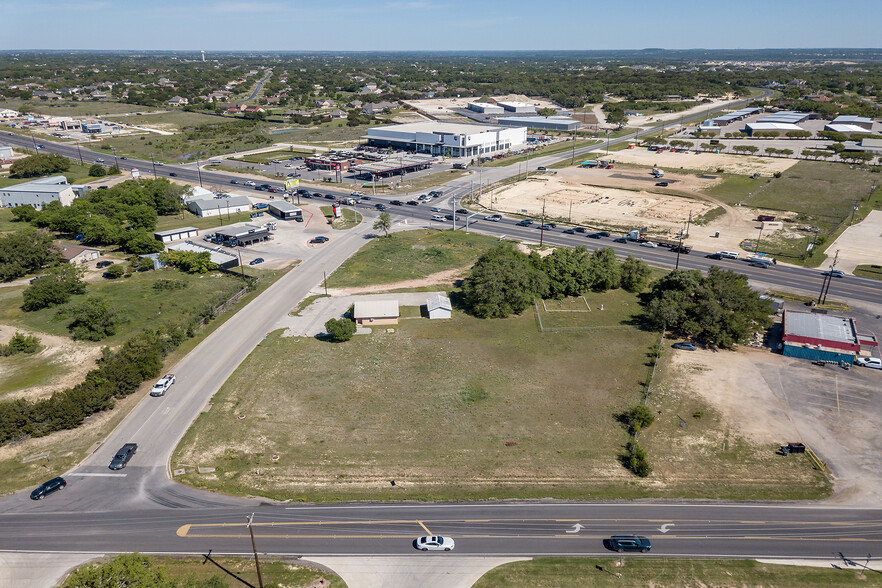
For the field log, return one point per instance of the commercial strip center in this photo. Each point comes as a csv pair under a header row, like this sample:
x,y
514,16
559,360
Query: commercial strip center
x,y
448,139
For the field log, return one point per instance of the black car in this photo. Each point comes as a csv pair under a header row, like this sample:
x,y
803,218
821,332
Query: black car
x,y
581,230
330,197
570,231
525,223
234,181
122,457
381,206
603,233
396,203
662,184
714,256
540,168
681,249
123,158
260,188
450,217
306,194
47,488
461,211
101,264
620,240
319,239
255,261
173,175
629,543
594,235
413,203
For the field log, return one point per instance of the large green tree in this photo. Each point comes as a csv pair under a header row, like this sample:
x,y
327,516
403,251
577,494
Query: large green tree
x,y
340,329
93,319
720,308
55,288
41,164
567,272
635,274
504,281
604,270
24,252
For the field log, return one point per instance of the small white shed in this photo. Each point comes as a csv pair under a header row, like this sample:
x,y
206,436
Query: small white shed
x,y
439,307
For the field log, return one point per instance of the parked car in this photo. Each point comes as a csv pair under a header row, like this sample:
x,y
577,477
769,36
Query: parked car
x,y
685,346
123,456
434,543
255,261
835,273
629,543
164,383
104,263
396,203
318,240
870,362
47,488
493,218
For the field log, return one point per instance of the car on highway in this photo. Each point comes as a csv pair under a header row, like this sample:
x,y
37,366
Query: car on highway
x,y
173,174
162,386
413,203
662,184
870,362
434,543
47,488
123,158
620,240
629,543
541,168
451,217
762,264
581,230
716,255
603,233
649,244
366,198
123,456
545,227
684,249
381,206
685,346
40,146
435,194
396,203
234,181
525,223
436,209
570,231
255,261
493,218
306,194
835,273
319,240
330,197
461,211
99,160
250,183
158,163
437,217
594,235
104,263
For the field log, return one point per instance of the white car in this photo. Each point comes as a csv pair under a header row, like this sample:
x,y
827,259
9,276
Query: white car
x,y
250,183
870,362
434,543
494,218
438,217
164,383
648,244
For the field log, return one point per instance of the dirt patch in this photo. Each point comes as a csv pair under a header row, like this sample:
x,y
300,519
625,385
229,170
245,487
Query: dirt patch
x,y
705,162
447,277
75,358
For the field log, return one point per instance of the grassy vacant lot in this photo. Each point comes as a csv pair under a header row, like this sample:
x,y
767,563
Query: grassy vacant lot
x,y
572,572
172,120
137,304
72,108
348,219
867,271
188,219
280,154
549,150
67,448
733,189
77,174
25,371
471,409
7,224
277,573
409,255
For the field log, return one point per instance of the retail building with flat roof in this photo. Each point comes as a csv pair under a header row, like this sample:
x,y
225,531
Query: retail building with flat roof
x,y
448,138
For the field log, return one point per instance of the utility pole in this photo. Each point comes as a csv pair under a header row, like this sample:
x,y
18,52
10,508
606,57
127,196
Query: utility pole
x,y
199,173
573,160
80,153
542,226
325,282
241,267
756,249
830,276
254,548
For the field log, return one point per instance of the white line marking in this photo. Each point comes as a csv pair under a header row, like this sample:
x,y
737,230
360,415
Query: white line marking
x,y
90,475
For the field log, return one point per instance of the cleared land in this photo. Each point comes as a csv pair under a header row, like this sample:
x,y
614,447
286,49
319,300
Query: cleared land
x,y
409,255
561,572
280,154
704,162
70,108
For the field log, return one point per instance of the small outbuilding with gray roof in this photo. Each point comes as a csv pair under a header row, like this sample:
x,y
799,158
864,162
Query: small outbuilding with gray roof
x,y
176,234
376,312
439,307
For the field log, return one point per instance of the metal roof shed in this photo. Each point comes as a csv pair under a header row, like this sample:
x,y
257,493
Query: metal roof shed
x,y
439,307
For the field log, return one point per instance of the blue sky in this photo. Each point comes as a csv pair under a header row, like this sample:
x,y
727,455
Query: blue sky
x,y
372,25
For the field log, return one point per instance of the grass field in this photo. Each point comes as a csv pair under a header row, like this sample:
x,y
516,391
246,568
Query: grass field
x,y
280,154
170,120
71,108
549,150
637,572
7,224
274,573
25,371
866,271
137,304
409,255
734,189
419,183
348,219
77,174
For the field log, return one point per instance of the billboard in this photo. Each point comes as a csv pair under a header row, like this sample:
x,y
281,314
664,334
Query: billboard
x,y
292,183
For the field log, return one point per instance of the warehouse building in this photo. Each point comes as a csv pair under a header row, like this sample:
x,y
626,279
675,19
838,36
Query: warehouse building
x,y
223,259
176,234
38,193
550,123
858,121
735,116
845,129
239,235
518,107
286,211
448,138
485,108
786,117
219,206
821,337
780,128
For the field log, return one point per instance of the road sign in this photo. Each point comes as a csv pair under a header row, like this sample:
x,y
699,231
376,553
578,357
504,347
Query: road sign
x,y
292,183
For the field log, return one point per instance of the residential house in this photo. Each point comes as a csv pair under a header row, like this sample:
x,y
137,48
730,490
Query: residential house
x,y
376,312
178,101
78,254
325,104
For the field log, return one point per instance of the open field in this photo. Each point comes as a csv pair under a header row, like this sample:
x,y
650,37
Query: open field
x,y
169,120
67,448
733,189
275,573
77,174
638,572
348,219
409,255
137,303
523,413
704,162
335,131
188,219
414,184
560,147
7,224
281,154
71,108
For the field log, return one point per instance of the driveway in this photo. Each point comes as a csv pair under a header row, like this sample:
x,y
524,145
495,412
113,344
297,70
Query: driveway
x,y
313,317
859,244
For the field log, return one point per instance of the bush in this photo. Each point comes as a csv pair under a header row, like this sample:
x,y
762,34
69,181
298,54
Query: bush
x,y
96,170
115,271
169,284
94,319
635,459
53,289
638,417
41,164
20,344
340,329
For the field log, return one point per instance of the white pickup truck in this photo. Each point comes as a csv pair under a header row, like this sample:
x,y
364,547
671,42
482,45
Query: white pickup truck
x,y
164,383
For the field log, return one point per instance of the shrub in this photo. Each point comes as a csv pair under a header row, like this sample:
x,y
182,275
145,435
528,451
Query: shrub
x,y
19,343
635,459
169,284
638,417
340,329
115,271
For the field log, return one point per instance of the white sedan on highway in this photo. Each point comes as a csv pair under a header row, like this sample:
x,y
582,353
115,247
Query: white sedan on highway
x,y
648,244
434,543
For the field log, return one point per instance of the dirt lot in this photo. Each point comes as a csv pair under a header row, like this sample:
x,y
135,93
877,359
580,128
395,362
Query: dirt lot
x,y
704,162
772,399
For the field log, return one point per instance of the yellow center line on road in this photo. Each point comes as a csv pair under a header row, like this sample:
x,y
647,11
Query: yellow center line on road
x,y
425,528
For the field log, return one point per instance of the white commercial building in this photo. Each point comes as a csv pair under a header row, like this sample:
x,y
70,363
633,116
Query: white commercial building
x,y
519,107
549,123
448,138
219,206
5,152
486,108
39,193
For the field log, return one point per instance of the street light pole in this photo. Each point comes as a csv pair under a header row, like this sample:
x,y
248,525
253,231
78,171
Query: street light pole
x,y
254,549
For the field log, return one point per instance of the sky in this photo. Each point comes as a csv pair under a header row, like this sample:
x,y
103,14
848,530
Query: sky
x,y
436,25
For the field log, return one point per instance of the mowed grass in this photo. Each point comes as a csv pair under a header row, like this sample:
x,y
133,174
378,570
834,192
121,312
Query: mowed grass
x,y
25,371
409,255
348,218
734,189
638,572
455,409
137,303
77,174
280,154
869,271
75,108
277,573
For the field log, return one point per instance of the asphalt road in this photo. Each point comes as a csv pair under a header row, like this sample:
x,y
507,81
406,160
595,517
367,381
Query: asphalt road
x,y
139,508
